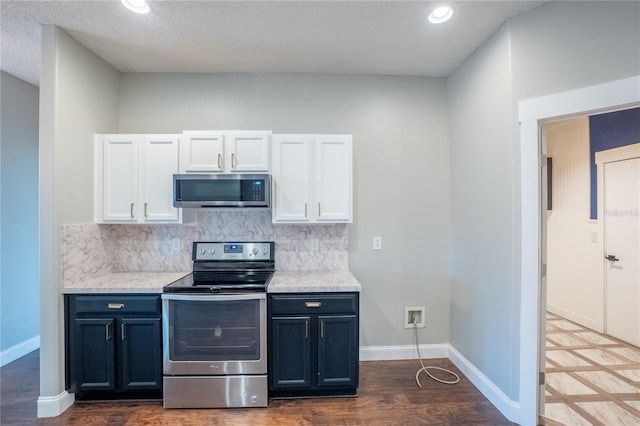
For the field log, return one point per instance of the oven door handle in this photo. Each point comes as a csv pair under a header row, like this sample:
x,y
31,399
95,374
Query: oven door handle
x,y
210,297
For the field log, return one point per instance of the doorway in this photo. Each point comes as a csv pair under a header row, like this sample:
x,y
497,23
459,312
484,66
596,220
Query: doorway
x,y
608,96
588,376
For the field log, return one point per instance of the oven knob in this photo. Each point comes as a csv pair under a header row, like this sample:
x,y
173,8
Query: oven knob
x,y
255,251
202,251
212,251
264,251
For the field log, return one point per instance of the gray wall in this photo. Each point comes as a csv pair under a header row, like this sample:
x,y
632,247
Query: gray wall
x,y
557,47
466,215
400,134
19,280
78,96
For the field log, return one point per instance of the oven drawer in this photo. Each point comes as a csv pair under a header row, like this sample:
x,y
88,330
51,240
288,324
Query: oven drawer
x,y
110,304
314,303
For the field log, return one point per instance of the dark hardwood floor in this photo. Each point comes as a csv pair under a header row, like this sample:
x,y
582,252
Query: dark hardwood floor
x,y
388,395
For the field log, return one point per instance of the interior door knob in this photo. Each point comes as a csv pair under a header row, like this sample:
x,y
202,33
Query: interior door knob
x,y
612,258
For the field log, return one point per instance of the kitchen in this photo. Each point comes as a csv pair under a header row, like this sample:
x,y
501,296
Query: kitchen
x,y
409,128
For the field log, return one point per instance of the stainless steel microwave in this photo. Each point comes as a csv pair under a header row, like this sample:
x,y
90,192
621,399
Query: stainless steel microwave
x,y
223,190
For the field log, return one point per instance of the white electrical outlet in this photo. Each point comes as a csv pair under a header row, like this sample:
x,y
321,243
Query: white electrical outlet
x,y
377,243
414,317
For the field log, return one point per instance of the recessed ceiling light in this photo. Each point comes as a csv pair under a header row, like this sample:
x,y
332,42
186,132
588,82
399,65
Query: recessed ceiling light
x,y
441,14
137,6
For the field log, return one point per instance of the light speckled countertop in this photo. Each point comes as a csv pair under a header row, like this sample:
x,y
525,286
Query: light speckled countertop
x,y
124,282
313,281
152,282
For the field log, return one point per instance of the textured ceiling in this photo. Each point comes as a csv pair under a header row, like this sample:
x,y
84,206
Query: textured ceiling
x,y
344,37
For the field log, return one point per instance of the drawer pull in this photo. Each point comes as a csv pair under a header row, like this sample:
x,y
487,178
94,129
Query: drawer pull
x,y
115,305
312,304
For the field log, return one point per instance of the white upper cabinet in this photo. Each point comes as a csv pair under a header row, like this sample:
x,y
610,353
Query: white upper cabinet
x,y
160,164
312,179
291,180
225,151
248,151
333,178
133,178
119,168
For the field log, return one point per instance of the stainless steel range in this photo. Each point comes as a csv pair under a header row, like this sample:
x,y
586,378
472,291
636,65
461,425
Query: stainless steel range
x,y
214,328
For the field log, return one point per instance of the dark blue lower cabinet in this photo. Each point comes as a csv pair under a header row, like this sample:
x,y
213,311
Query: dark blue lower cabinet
x,y
141,357
313,344
93,354
337,355
292,361
113,346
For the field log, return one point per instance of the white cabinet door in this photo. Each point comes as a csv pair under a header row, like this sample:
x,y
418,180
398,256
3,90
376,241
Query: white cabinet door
x,y
223,151
333,176
160,163
133,181
249,151
312,177
202,152
290,175
120,182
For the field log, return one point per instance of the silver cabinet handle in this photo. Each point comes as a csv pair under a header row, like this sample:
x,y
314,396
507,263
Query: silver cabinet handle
x,y
306,329
131,209
312,304
322,329
145,209
233,160
219,160
122,332
318,209
107,331
115,305
305,210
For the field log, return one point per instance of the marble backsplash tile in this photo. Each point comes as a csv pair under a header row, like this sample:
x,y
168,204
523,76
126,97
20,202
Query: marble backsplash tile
x,y
86,250
90,249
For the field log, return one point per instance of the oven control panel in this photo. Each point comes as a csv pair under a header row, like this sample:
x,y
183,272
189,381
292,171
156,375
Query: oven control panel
x,y
230,251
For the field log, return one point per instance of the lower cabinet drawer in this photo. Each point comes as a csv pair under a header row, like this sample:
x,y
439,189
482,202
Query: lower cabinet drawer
x,y
319,303
147,304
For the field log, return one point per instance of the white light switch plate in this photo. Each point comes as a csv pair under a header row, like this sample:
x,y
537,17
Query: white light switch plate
x,y
377,243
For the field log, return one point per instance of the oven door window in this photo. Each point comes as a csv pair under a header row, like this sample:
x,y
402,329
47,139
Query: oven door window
x,y
214,330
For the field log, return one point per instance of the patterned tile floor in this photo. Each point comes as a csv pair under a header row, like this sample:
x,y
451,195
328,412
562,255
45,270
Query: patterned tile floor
x,y
592,379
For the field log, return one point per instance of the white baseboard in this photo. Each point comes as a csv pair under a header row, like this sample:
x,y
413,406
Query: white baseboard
x,y
577,318
509,408
52,406
17,351
389,353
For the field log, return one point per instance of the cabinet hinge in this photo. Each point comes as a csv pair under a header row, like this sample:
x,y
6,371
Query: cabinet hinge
x,y
541,378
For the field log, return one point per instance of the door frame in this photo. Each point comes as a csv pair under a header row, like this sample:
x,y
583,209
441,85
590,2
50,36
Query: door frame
x,y
619,94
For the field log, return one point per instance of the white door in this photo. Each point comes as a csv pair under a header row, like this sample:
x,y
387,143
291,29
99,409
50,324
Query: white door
x,y
120,165
622,249
333,178
291,172
249,152
202,152
160,163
